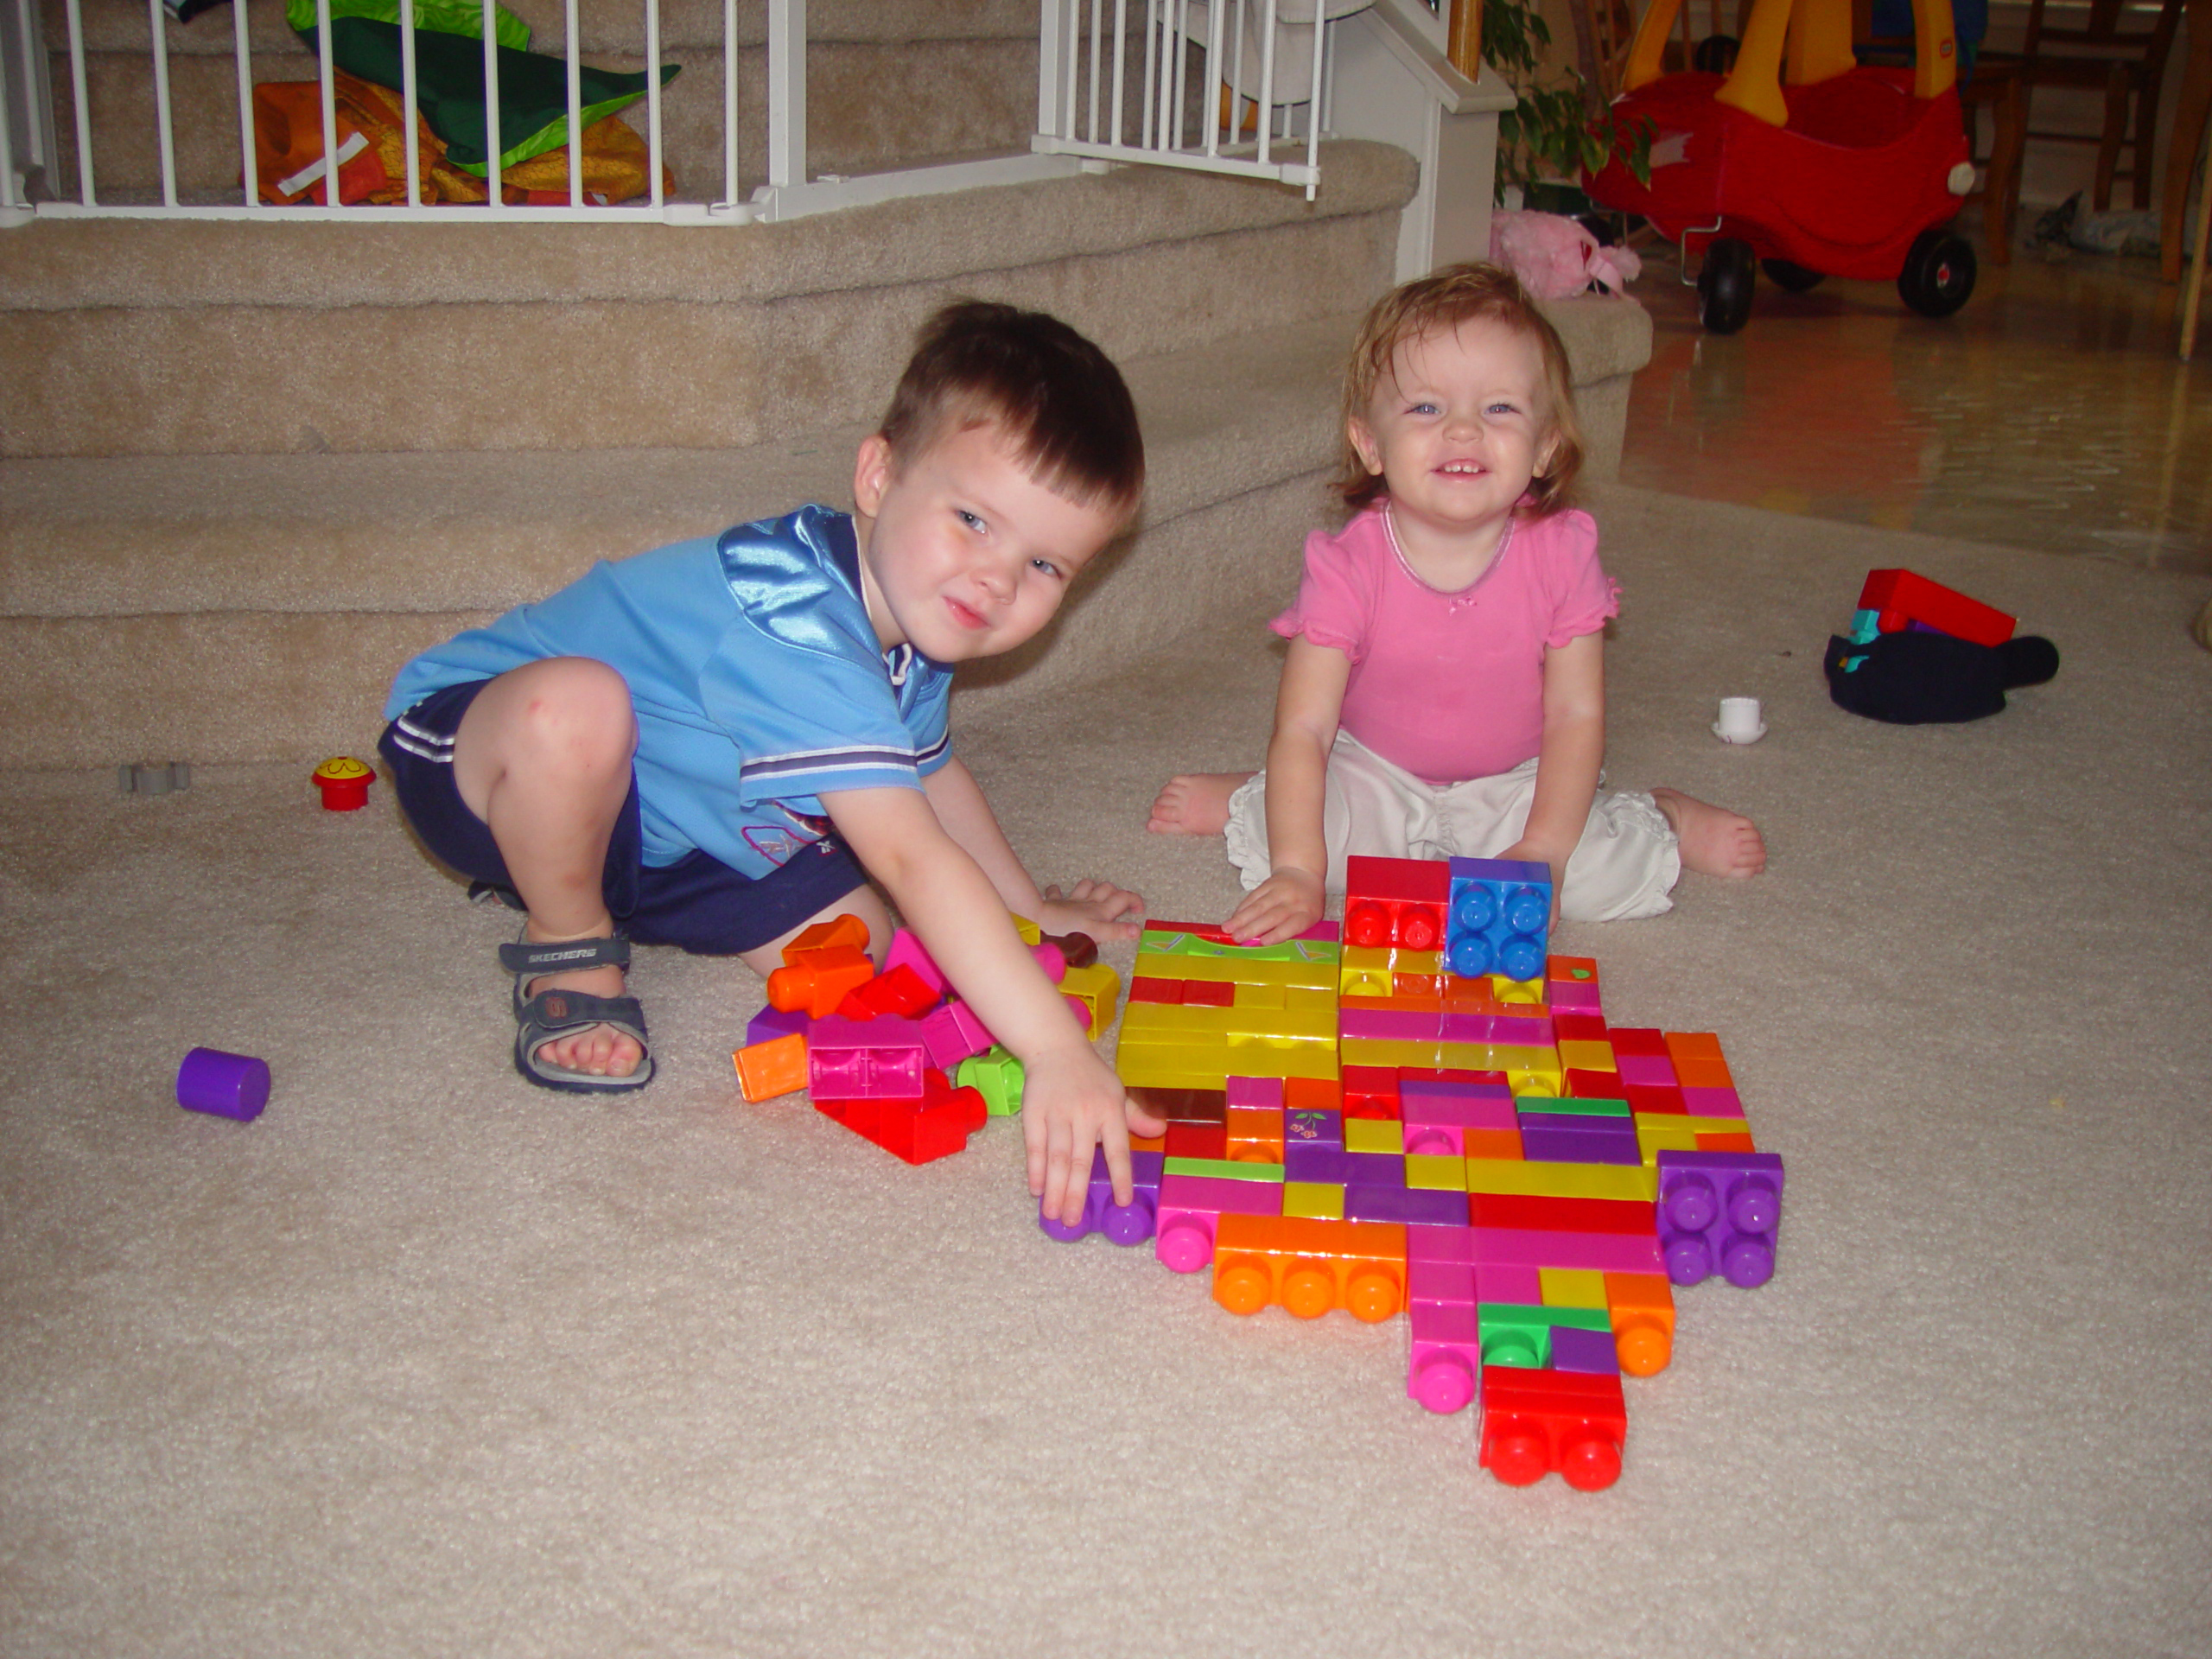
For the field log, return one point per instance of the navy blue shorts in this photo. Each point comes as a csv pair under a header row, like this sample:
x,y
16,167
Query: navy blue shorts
x,y
698,903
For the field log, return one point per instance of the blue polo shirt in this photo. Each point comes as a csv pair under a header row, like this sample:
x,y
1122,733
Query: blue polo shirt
x,y
756,678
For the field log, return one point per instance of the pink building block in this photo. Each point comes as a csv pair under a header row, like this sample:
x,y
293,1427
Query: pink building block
x,y
1440,1282
952,1033
1189,1207
1654,1070
1596,1252
910,951
881,1058
1391,1025
1520,1031
1255,1091
1467,1105
1713,1102
1446,1357
1498,1282
1051,959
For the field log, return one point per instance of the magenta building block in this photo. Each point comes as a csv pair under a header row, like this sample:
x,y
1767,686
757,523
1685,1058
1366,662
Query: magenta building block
x,y
1496,1281
1440,1243
1719,1211
1254,1091
1591,1352
1435,1140
952,1033
910,951
882,1059
1713,1102
223,1084
1221,1196
1304,1127
1421,1206
1522,1031
1439,1281
1567,996
1548,1145
1051,959
1390,1025
1446,1356
1652,1070
772,1023
1469,1105
1594,1252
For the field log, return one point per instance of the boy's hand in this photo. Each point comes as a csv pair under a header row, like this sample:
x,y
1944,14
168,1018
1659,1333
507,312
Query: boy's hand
x,y
1072,1102
1096,907
1281,907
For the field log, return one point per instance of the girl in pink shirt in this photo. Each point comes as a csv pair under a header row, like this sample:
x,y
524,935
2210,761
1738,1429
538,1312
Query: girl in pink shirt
x,y
1444,693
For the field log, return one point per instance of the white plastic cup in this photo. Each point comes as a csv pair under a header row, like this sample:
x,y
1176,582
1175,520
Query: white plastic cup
x,y
1740,720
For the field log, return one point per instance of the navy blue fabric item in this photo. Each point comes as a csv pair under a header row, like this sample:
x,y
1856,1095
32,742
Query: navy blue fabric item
x,y
697,904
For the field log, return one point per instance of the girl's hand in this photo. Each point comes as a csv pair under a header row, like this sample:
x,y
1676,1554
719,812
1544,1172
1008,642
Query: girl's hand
x,y
1071,1102
1536,853
1098,908
1281,907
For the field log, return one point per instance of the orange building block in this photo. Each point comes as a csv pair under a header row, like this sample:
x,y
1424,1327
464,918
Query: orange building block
x,y
773,1068
820,979
1493,1143
1256,1135
846,929
1310,1266
1640,1309
1312,1094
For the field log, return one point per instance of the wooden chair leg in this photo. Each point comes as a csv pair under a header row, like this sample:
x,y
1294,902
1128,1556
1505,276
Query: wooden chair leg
x,y
2115,133
2000,197
2146,139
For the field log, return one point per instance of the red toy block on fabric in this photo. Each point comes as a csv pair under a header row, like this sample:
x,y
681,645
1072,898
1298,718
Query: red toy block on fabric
x,y
1145,988
1535,1422
1903,599
899,991
1400,901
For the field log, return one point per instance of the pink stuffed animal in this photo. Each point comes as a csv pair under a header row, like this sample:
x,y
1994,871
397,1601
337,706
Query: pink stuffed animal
x,y
1554,257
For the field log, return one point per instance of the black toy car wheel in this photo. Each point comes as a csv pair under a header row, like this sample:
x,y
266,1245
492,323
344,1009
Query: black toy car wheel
x,y
1938,274
1723,285
1794,278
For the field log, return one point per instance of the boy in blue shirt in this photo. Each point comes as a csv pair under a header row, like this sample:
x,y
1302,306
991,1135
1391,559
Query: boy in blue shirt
x,y
707,745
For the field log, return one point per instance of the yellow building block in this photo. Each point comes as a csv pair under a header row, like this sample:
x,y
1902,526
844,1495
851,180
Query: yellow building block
x,y
1433,1173
1319,1200
1374,1135
1572,1287
1429,962
1098,987
1261,996
1307,999
1147,1024
1709,1125
1237,970
1031,934
1656,1133
1376,1051
1167,1066
1621,1182
1365,957
1278,1027
1584,1056
1515,990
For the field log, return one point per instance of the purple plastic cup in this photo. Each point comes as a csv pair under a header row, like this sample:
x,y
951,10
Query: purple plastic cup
x,y
223,1085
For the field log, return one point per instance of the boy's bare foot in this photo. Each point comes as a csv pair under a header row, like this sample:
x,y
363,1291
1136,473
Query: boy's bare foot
x,y
1195,803
599,1050
1715,841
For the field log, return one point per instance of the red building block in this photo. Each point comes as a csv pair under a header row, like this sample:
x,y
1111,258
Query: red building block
x,y
899,991
1535,1422
1396,901
1529,1214
1903,597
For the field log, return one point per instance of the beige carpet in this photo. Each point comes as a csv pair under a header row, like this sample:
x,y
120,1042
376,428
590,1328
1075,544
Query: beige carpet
x,y
428,1362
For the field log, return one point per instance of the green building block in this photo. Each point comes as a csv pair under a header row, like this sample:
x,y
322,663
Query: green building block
x,y
996,1076
1225,1169
1573,1108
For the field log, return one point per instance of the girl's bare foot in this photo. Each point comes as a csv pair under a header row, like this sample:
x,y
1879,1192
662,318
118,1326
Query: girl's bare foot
x,y
1715,841
1195,803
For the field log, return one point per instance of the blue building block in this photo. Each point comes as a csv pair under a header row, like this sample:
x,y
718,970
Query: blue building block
x,y
1719,1212
1500,918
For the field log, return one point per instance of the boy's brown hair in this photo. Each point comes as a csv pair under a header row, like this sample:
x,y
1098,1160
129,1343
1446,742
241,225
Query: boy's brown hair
x,y
1440,300
1060,399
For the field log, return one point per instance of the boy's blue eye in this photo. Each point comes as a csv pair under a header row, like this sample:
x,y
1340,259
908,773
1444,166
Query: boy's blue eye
x,y
1424,408
968,519
1045,565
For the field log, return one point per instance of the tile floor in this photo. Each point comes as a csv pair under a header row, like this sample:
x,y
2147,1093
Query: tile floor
x,y
2051,412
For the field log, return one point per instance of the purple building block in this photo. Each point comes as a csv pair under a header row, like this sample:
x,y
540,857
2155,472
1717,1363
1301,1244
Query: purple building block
x,y
1327,1165
1422,1206
772,1023
1719,1211
223,1084
1313,1128
1544,1145
1374,1169
1591,1351
1446,1357
1124,1224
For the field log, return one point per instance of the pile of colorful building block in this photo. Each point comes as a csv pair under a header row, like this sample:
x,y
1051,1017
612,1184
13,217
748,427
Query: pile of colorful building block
x,y
894,1056
1357,1125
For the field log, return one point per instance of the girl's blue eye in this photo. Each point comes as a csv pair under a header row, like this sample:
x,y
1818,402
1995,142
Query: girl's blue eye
x,y
1045,565
968,519
1424,408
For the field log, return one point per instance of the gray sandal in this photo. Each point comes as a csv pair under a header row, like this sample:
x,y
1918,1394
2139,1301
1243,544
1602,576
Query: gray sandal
x,y
552,1013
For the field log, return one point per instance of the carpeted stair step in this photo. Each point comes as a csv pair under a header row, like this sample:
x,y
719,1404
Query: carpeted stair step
x,y
198,337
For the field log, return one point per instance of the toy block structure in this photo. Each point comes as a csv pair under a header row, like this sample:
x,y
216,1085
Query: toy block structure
x,y
1485,1154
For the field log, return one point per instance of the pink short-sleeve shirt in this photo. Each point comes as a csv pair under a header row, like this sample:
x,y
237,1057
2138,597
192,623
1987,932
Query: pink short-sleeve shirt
x,y
1450,686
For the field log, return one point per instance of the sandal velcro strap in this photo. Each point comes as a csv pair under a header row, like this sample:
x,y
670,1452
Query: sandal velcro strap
x,y
568,956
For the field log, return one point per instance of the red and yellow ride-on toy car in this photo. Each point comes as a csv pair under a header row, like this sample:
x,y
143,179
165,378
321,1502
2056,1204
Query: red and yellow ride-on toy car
x,y
1802,158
